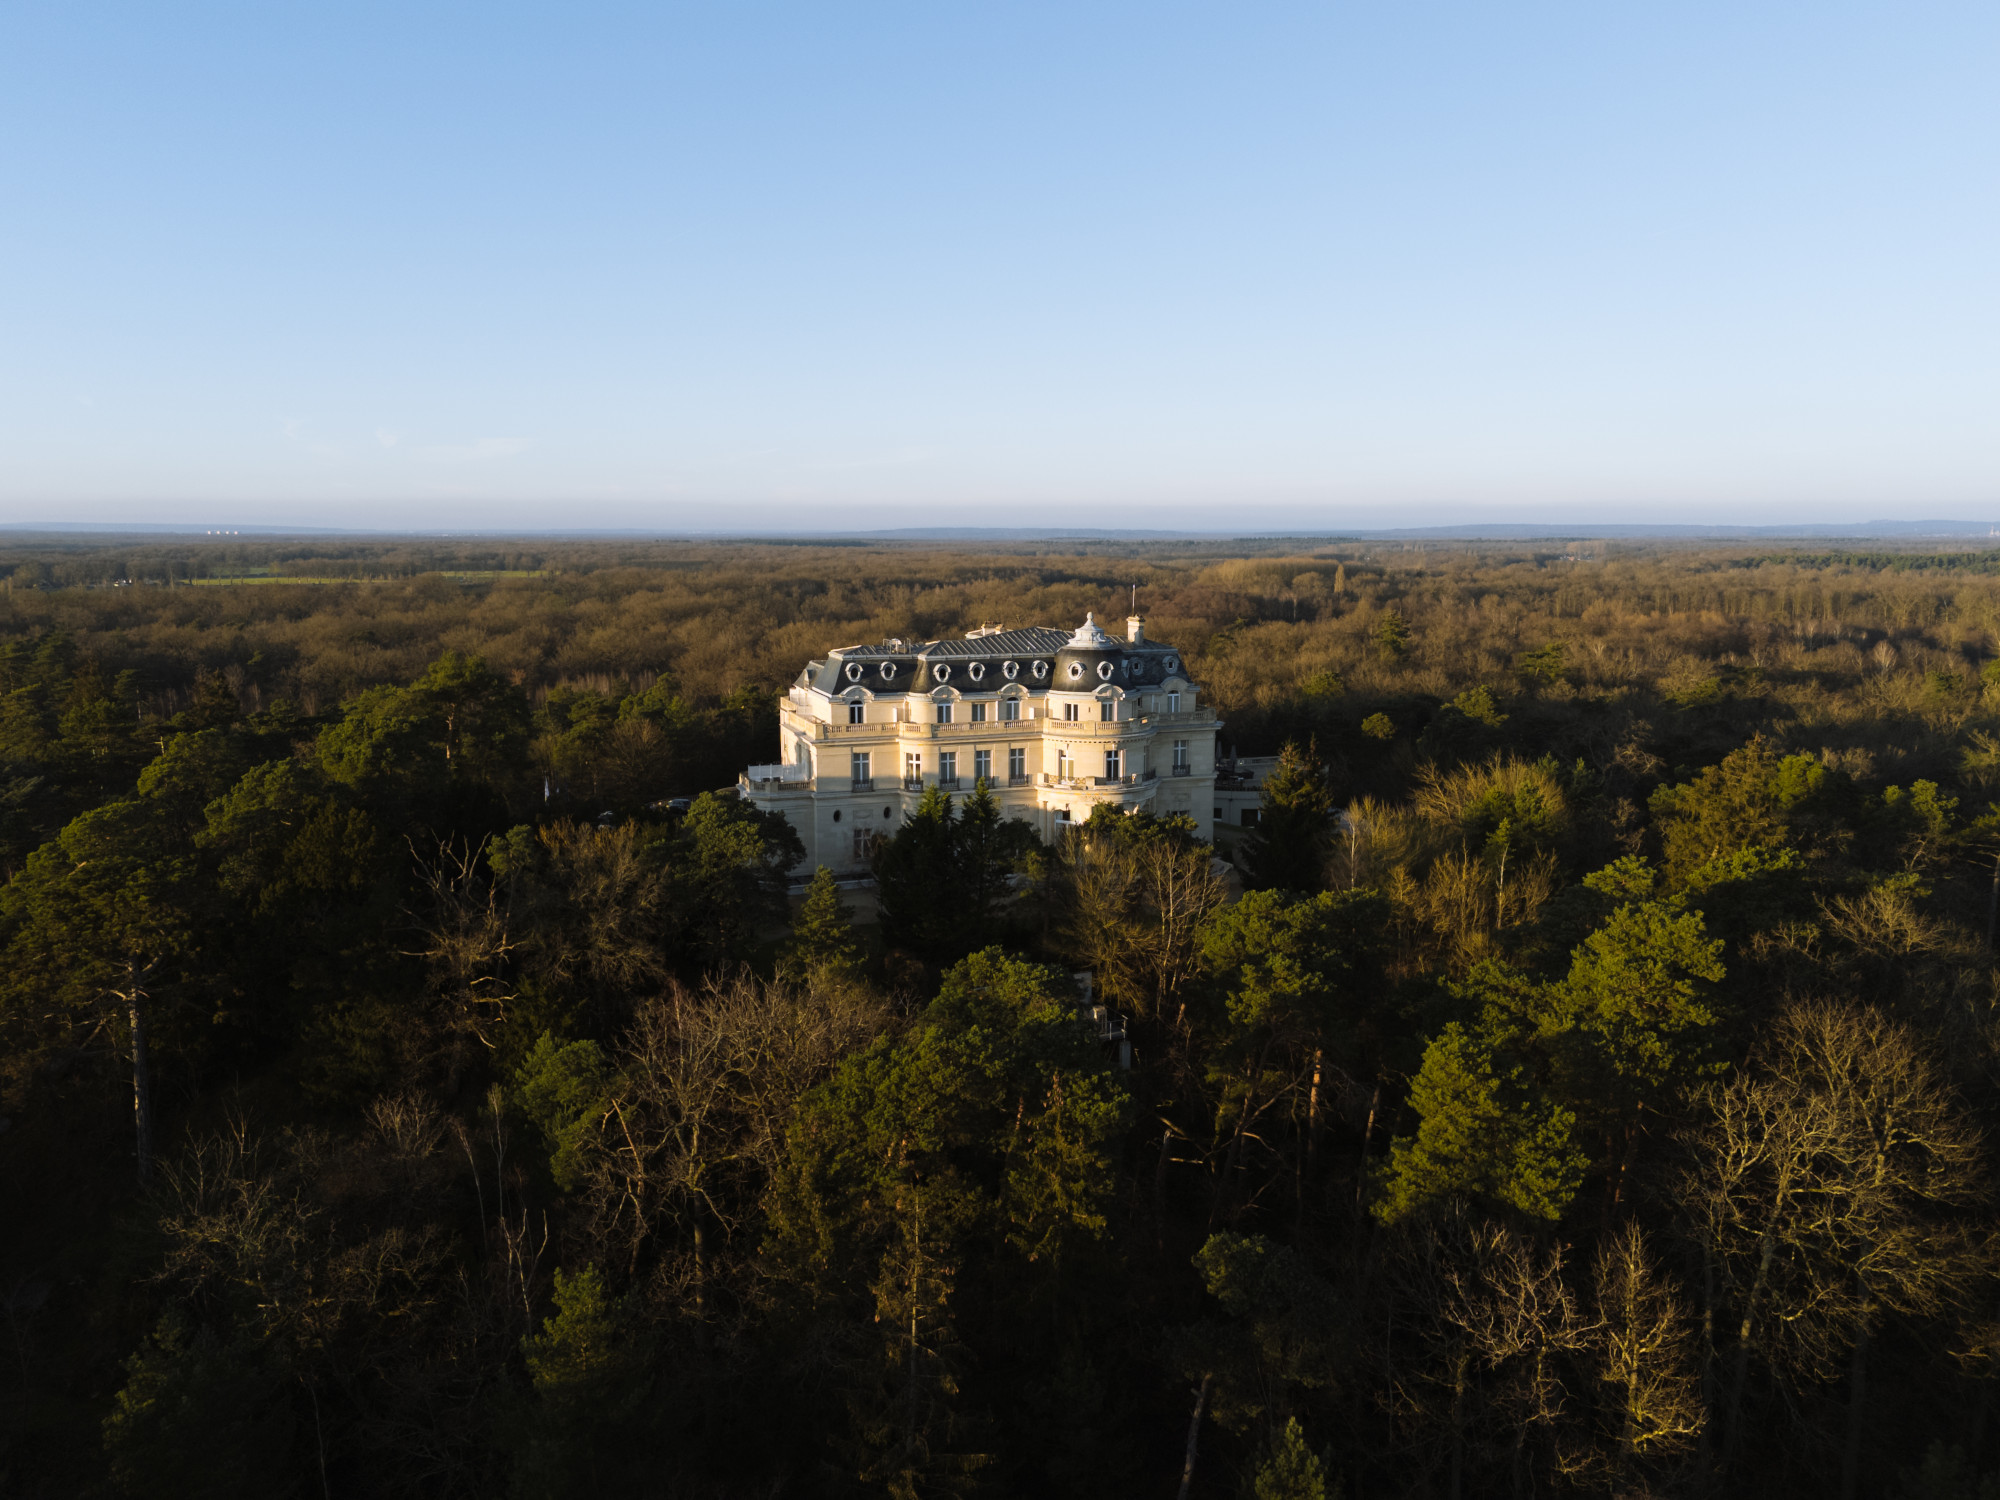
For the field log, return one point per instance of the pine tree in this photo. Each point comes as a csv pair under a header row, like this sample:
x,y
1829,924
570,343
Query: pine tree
x,y
1392,635
1290,1470
823,942
1288,850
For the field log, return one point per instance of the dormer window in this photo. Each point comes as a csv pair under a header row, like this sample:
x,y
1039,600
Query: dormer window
x,y
857,713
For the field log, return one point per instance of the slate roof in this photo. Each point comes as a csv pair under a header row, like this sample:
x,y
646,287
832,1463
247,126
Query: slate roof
x,y
1034,640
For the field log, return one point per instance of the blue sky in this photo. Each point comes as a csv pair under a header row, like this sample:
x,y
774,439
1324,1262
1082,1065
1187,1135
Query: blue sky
x,y
865,264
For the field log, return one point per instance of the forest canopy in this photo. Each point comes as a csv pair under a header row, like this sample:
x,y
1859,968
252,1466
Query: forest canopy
x,y
421,1075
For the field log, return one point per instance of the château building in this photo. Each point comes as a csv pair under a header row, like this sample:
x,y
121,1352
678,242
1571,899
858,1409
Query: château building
x,y
1055,722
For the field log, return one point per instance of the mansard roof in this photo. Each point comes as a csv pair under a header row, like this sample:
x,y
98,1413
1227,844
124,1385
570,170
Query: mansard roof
x,y
1035,659
1032,640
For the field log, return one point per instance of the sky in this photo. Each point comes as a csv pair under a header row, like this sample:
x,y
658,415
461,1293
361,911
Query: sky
x,y
852,264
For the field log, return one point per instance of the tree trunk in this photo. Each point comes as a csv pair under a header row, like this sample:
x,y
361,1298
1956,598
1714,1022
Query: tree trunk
x,y
1706,1441
1857,1393
1167,1133
1367,1134
1312,1109
142,1078
1740,1375
700,1268
1458,1430
1194,1435
1232,1155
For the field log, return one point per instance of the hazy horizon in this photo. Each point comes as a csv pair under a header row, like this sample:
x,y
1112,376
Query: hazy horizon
x,y
1164,268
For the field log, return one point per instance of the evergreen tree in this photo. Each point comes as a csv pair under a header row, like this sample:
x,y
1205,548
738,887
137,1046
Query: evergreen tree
x,y
587,1368
942,877
1392,635
917,879
1292,842
823,943
1290,1470
198,1417
1484,1132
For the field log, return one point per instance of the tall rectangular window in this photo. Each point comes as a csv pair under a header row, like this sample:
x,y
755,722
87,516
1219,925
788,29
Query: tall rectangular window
x,y
1017,763
979,713
858,765
948,767
1069,712
1106,710
1173,703
1180,755
944,713
982,765
1111,764
913,766
1010,709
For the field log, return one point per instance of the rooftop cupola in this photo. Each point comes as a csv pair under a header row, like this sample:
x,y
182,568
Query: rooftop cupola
x,y
1090,636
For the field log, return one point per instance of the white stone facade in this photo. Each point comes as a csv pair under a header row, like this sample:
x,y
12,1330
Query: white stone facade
x,y
1055,722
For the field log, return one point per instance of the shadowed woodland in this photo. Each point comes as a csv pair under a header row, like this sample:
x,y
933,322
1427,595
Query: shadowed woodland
x,y
419,1079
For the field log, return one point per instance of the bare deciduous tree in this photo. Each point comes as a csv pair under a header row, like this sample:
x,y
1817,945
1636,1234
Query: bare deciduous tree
x,y
1476,1355
1644,1355
696,1120
1828,1191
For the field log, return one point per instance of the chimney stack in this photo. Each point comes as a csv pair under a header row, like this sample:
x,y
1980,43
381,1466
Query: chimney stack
x,y
1135,628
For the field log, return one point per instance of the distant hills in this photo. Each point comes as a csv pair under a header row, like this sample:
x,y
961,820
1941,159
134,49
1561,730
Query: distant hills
x,y
1508,531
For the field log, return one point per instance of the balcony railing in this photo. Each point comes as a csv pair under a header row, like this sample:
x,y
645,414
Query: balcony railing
x,y
1021,780
949,783
1183,770
1086,783
913,783
924,728
861,783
